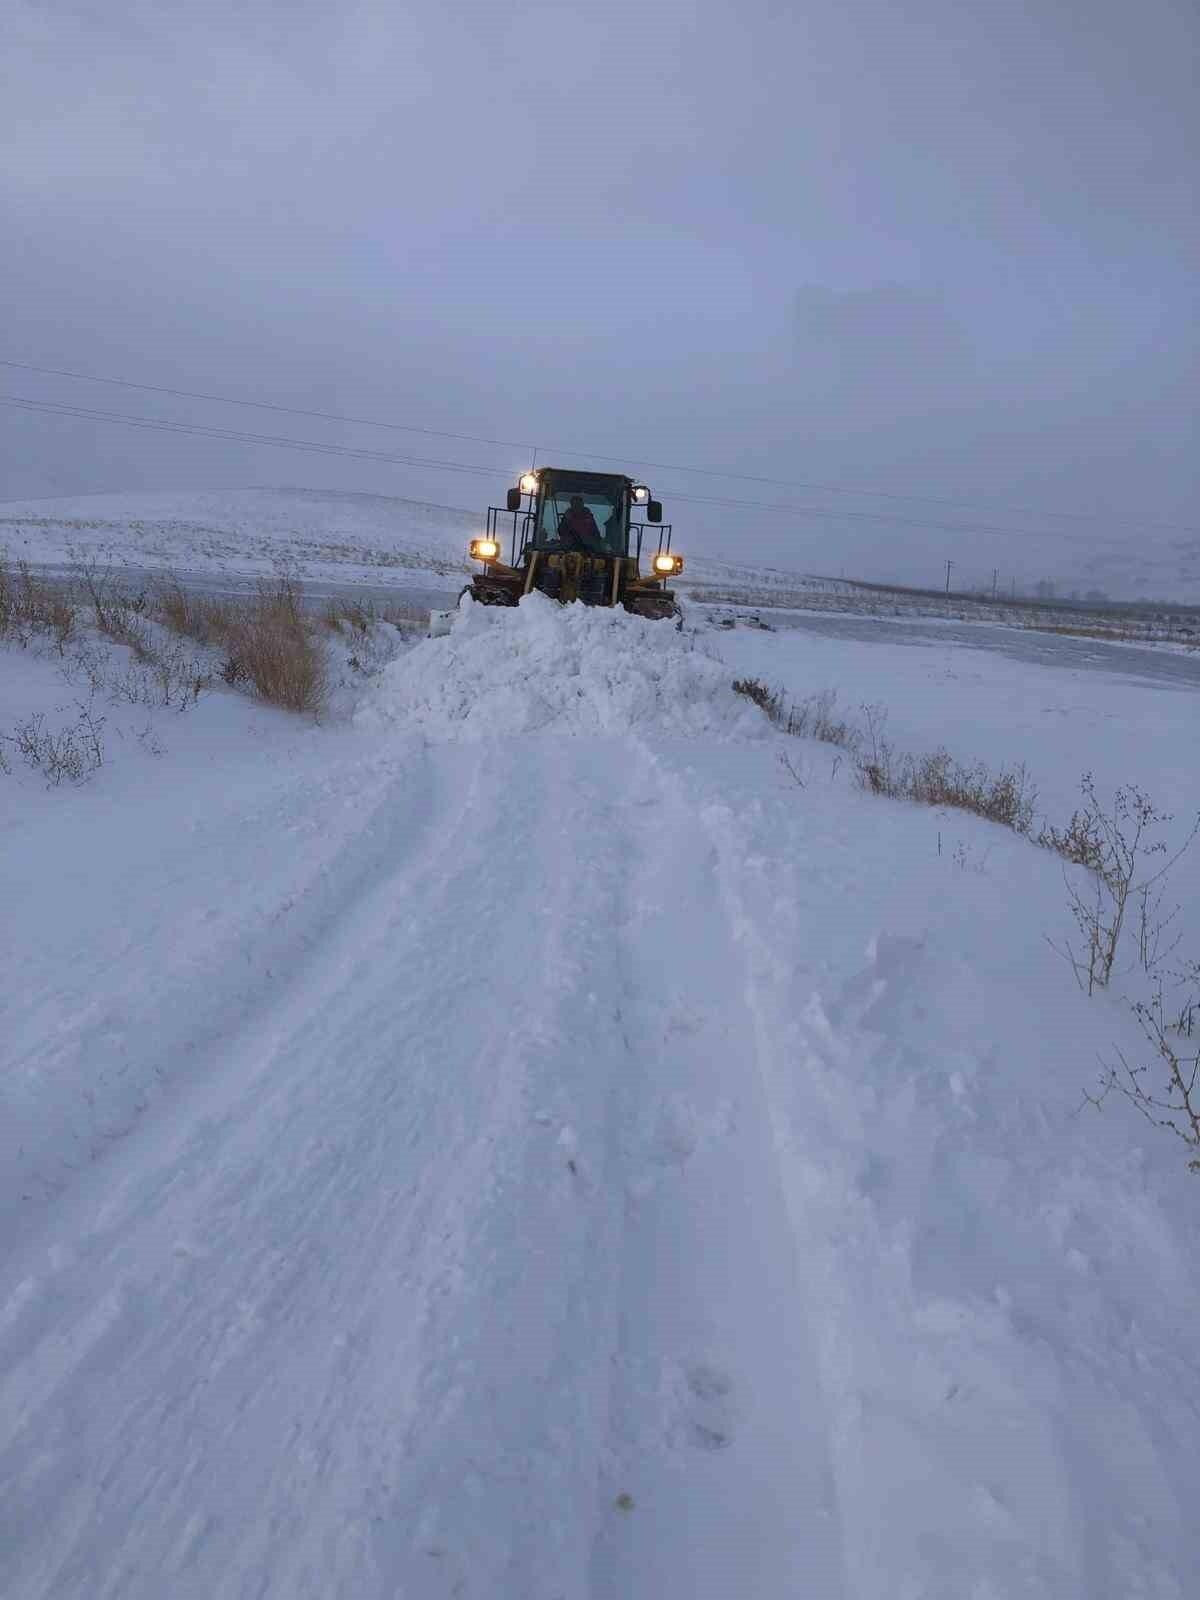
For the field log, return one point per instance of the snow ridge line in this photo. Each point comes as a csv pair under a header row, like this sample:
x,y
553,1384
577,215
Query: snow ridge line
x,y
809,1063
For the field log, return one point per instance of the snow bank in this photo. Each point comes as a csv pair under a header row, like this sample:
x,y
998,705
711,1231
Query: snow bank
x,y
578,669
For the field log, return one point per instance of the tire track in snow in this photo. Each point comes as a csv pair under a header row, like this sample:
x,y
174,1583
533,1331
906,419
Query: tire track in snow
x,y
341,1335
152,1202
502,1500
154,1014
716,1479
475,1233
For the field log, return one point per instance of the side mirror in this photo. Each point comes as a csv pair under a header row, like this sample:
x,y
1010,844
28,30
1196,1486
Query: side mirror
x,y
513,502
654,511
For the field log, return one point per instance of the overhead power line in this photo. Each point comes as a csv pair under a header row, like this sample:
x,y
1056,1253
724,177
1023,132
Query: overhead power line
x,y
595,455
892,520
240,436
267,405
393,458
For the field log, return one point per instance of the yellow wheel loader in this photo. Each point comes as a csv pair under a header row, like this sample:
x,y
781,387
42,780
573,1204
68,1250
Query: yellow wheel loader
x,y
573,536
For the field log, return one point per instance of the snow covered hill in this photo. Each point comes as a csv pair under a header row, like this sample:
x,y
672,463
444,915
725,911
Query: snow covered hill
x,y
528,1144
247,532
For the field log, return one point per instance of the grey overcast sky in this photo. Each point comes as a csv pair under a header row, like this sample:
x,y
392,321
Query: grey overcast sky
x,y
945,248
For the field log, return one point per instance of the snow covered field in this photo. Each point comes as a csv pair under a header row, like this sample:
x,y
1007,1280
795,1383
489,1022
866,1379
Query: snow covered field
x,y
225,540
308,533
320,536
982,694
521,1142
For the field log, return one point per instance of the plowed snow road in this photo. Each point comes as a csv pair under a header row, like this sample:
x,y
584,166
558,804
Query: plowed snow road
x,y
528,1145
438,1258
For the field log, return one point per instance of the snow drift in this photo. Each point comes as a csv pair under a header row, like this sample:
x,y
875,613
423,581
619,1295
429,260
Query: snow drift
x,y
577,669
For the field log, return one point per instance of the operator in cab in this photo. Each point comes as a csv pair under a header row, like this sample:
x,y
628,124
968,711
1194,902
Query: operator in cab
x,y
578,530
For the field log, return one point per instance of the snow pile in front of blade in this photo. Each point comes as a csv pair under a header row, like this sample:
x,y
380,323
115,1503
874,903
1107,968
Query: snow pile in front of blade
x,y
577,669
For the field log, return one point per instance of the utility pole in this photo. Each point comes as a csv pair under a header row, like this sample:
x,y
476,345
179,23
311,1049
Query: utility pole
x,y
995,580
949,564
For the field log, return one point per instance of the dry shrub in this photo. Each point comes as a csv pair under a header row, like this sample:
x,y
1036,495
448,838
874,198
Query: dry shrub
x,y
1004,797
812,718
273,645
116,611
1114,843
938,780
1165,1089
69,754
815,718
160,674
179,612
29,606
205,619
756,691
269,643
123,624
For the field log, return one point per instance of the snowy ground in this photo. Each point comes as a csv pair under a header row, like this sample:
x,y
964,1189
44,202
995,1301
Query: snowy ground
x,y
1062,707
520,1143
225,540
324,537
240,533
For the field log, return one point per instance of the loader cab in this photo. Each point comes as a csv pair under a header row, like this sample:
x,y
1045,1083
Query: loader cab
x,y
606,496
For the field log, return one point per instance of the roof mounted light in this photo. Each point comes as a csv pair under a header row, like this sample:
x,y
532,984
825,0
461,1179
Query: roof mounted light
x,y
529,483
641,494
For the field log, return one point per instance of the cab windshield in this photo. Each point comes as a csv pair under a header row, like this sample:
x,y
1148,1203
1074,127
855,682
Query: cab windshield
x,y
582,516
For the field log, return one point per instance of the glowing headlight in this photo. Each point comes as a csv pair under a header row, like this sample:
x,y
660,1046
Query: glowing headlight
x,y
529,483
484,549
641,494
666,563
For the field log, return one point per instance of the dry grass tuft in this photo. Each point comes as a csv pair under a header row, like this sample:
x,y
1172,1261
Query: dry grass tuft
x,y
816,718
1005,797
756,691
274,645
360,616
206,619
269,643
938,780
28,606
